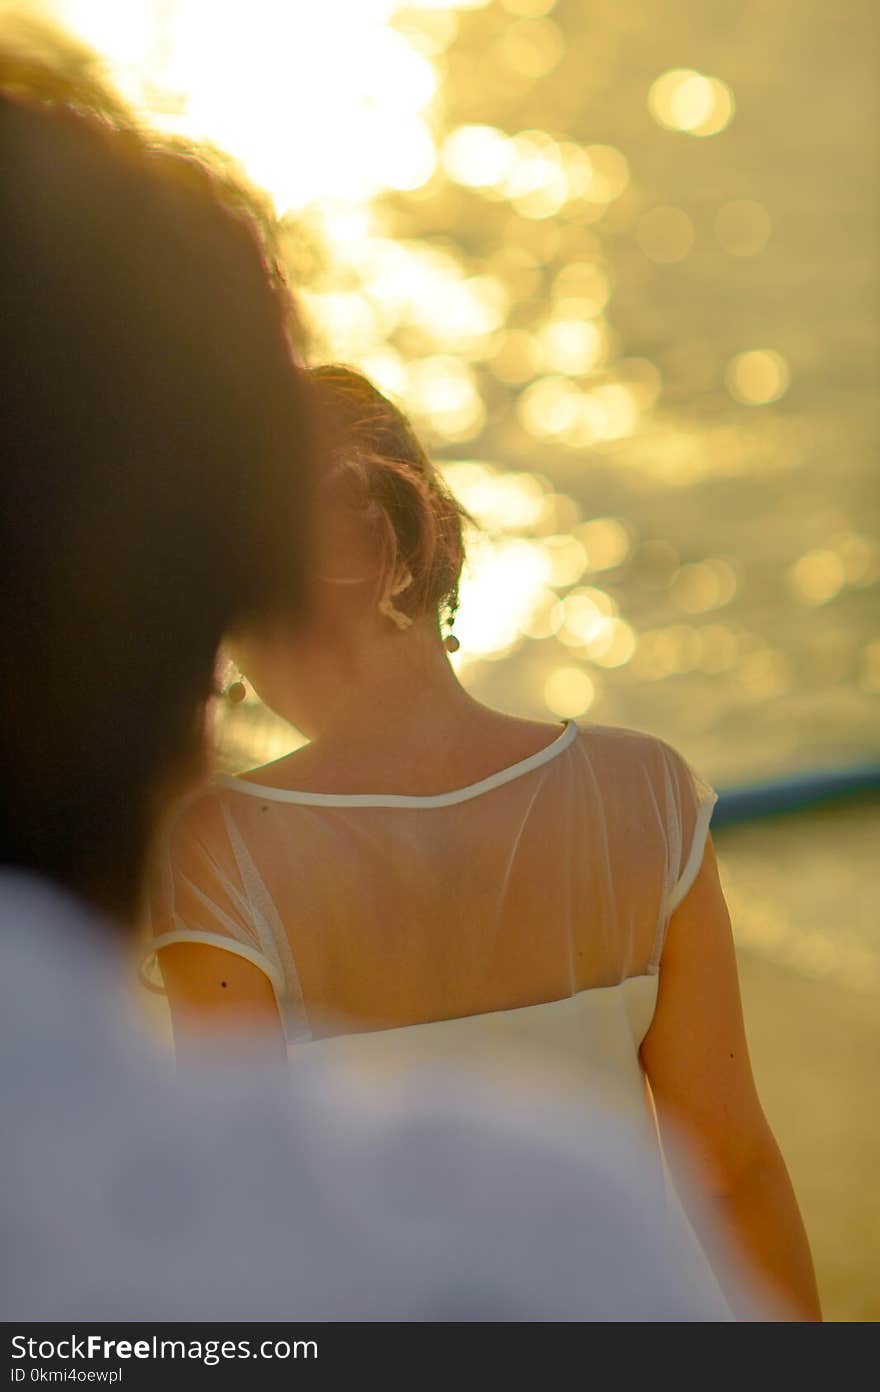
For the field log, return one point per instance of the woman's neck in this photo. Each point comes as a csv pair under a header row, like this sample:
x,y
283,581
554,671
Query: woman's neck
x,y
381,692
391,717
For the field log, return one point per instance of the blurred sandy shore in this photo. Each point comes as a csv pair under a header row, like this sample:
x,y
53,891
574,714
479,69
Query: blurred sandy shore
x,y
815,1049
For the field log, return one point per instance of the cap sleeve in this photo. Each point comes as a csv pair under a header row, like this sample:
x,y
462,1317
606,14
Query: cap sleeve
x,y
199,895
686,801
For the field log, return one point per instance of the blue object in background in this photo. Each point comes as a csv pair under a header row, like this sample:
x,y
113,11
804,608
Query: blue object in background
x,y
792,794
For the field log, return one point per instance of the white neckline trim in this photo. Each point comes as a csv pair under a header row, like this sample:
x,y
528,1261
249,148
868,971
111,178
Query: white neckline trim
x,y
495,780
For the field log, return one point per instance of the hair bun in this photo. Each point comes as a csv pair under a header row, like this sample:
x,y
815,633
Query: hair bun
x,y
419,520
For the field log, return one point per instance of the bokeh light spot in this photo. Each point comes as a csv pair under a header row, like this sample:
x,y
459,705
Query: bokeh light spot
x,y
610,173
607,542
572,346
532,47
477,156
517,357
549,406
569,692
584,283
442,393
817,577
704,585
511,502
688,101
757,377
503,585
546,617
665,234
614,645
567,560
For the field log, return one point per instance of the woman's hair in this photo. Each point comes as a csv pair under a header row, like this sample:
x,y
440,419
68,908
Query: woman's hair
x,y
154,477
418,519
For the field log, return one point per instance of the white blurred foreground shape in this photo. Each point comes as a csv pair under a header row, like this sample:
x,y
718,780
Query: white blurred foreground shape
x,y
128,1196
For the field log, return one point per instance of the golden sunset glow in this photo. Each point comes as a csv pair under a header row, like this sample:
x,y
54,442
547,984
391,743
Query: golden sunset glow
x,y
617,262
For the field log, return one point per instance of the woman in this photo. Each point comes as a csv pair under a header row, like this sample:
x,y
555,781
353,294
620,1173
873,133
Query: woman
x,y
430,871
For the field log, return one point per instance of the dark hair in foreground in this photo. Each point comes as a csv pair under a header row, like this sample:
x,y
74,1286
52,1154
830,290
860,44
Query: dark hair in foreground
x,y
153,474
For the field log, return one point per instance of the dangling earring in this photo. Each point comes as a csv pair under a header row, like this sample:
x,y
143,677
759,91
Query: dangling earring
x,y
236,693
451,643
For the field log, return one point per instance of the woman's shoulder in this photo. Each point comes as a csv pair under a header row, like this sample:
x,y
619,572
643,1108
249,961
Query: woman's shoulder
x,y
625,762
623,742
200,816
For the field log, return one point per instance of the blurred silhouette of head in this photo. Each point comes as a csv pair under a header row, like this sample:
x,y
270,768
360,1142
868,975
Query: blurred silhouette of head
x,y
155,465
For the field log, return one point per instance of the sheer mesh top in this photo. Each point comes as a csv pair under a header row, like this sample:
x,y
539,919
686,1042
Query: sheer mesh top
x,y
550,878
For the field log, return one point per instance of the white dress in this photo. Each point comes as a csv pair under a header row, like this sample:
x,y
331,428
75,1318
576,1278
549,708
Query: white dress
x,y
589,844
129,1194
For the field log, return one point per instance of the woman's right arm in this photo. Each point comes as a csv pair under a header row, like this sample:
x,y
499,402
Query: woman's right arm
x,y
217,995
697,1062
215,972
